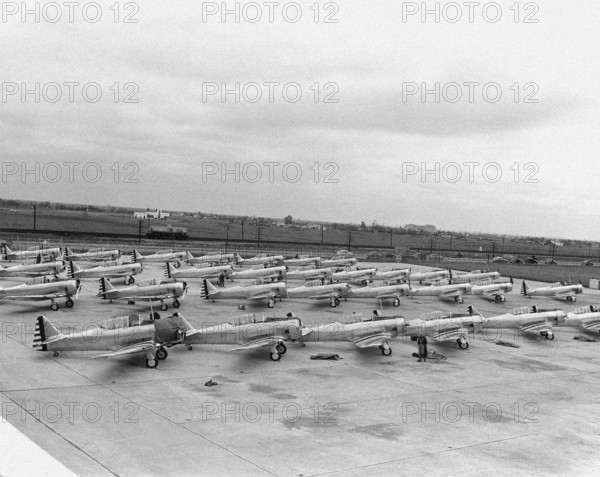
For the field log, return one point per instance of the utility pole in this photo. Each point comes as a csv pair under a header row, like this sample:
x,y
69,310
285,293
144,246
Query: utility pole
x,y
242,229
258,234
140,232
349,238
391,238
227,239
34,217
322,235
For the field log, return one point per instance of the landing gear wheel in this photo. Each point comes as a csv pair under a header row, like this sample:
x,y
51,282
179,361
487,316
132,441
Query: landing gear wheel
x,y
176,304
364,283
190,347
386,351
161,354
281,348
56,354
275,356
337,301
164,307
462,345
54,306
459,300
69,303
302,345
151,363
332,304
396,302
131,281
271,303
550,336
573,299
498,299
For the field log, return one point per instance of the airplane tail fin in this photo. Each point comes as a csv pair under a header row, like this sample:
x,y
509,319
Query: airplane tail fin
x,y
238,259
72,268
473,311
135,255
5,251
105,287
44,330
68,252
524,288
208,289
168,270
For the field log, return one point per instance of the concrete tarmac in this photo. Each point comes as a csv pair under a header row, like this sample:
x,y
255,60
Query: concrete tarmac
x,y
489,409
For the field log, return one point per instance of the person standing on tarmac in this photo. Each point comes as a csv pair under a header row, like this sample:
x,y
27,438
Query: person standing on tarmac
x,y
422,344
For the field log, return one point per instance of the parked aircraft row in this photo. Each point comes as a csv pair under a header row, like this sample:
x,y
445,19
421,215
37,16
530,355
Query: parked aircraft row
x,y
135,334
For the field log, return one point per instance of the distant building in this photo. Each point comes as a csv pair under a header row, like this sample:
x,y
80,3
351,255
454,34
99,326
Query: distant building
x,y
158,214
428,229
557,243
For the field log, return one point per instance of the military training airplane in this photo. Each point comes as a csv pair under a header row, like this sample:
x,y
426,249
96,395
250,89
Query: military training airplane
x,y
41,289
109,270
556,290
267,291
144,291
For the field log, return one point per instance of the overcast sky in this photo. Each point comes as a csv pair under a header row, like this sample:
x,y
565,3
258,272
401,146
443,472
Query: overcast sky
x,y
352,148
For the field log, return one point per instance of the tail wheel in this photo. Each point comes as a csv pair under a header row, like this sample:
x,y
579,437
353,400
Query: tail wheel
x,y
161,354
281,348
54,306
164,307
396,302
176,304
69,303
275,356
151,363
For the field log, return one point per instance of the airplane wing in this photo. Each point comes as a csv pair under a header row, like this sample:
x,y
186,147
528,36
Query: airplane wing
x,y
452,293
592,324
536,327
162,296
324,296
262,296
388,295
493,293
448,334
372,341
260,343
133,349
50,296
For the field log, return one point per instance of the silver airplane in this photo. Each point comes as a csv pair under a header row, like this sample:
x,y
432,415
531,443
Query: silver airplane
x,y
381,292
556,290
586,317
92,255
444,290
302,261
363,332
363,276
41,289
492,289
316,291
445,327
210,273
211,258
390,275
527,319
158,257
260,274
267,291
36,254
429,277
109,270
311,273
144,291
33,269
475,275
260,260
124,335
338,262
251,333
